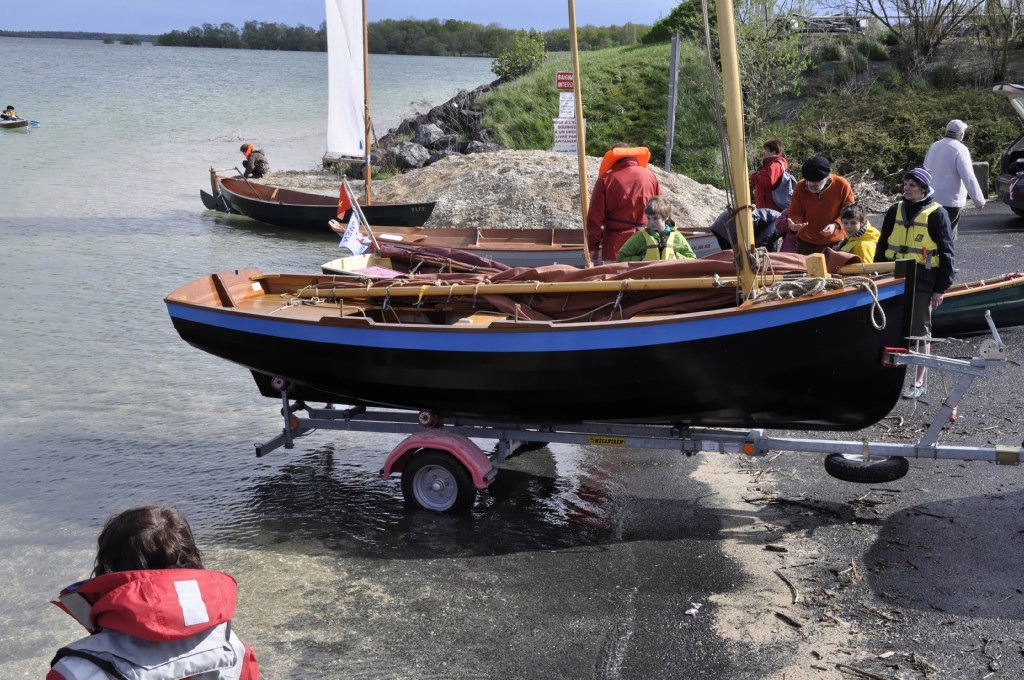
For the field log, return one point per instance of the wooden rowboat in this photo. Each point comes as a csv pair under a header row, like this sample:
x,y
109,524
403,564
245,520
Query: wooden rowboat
x,y
311,212
963,307
14,124
515,247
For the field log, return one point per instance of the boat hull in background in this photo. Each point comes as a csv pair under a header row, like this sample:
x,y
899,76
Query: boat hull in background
x,y
310,212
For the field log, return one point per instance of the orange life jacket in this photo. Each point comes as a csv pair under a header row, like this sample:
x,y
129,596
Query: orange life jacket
x,y
249,148
641,153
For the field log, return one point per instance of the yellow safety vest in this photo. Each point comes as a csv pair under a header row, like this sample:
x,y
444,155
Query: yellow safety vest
x,y
669,251
912,241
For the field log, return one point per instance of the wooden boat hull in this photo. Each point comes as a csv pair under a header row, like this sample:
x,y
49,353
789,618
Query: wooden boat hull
x,y
718,368
311,212
513,247
14,124
214,202
963,307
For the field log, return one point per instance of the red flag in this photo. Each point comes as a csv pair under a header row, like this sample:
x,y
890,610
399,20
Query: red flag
x,y
344,204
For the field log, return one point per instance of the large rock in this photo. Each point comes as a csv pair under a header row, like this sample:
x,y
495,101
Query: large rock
x,y
518,189
428,135
408,155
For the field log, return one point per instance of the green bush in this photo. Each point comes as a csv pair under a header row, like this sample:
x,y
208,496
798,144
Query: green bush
x,y
858,63
872,49
891,131
833,51
890,78
526,54
842,75
944,76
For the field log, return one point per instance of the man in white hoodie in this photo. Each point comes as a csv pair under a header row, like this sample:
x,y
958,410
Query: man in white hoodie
x,y
952,172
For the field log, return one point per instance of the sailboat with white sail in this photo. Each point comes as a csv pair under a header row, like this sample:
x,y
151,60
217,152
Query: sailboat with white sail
x,y
349,134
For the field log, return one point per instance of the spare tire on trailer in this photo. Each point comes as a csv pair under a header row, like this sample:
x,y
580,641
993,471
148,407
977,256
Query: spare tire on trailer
x,y
854,467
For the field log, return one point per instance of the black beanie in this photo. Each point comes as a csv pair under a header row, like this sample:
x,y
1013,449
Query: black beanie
x,y
816,169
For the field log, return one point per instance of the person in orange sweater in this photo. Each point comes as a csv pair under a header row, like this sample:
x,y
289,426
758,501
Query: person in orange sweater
x,y
814,211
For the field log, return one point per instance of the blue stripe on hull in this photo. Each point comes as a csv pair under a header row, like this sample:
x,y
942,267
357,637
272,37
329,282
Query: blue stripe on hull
x,y
533,339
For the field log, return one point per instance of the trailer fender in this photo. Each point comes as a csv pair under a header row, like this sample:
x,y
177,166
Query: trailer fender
x,y
476,462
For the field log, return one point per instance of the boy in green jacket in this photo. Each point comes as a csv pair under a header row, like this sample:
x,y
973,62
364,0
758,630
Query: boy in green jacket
x,y
659,240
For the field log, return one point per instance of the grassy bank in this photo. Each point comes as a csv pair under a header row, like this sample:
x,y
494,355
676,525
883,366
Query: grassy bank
x,y
625,96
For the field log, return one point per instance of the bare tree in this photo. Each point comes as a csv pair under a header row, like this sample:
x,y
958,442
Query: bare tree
x,y
922,25
1000,26
772,57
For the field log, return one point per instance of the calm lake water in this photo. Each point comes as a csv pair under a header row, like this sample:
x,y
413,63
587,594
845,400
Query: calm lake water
x,y
103,406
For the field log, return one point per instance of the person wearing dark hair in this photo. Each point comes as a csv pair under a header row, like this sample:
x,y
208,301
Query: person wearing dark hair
x,y
765,233
255,163
9,113
917,228
620,195
861,238
814,210
659,240
767,177
153,612
952,171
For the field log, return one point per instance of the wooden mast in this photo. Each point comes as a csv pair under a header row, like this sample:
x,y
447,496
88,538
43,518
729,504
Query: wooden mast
x,y
737,148
366,102
581,137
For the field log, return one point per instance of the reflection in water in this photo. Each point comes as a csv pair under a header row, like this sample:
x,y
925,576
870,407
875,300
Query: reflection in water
x,y
554,498
338,499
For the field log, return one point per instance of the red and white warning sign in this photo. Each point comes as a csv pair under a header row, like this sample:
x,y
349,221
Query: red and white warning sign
x,y
563,80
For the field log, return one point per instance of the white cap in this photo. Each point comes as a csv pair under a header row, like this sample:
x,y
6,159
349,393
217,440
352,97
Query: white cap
x,y
957,126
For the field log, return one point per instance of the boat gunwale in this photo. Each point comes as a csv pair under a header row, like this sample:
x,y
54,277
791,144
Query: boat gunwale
x,y
527,325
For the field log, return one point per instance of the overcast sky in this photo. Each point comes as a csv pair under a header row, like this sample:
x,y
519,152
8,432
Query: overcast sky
x,y
161,16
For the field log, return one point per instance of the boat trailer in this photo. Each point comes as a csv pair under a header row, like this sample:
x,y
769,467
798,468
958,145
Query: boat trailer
x,y
442,468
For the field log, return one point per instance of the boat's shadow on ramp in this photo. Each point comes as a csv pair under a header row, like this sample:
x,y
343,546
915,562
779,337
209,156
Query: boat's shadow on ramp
x,y
958,556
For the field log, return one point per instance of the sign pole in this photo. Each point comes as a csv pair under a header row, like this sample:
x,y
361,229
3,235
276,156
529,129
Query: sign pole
x,y
581,140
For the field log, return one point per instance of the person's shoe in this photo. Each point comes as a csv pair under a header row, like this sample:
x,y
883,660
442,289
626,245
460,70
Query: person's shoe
x,y
914,391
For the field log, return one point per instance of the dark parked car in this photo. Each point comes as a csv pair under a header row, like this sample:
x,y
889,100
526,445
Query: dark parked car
x,y
1010,182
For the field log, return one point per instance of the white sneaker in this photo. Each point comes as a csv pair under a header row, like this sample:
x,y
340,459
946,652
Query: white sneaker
x,y
914,391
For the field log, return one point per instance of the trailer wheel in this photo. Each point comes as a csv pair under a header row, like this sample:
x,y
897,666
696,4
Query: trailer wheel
x,y
434,480
852,467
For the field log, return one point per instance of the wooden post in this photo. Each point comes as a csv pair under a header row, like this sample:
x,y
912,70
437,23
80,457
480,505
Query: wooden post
x,y
737,149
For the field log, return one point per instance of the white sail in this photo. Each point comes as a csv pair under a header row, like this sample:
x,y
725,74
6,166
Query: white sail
x,y
346,122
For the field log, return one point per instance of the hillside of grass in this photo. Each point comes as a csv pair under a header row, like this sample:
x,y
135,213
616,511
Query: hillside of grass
x,y
625,98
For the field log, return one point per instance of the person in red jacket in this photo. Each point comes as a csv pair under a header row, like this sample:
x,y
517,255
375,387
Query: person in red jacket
x,y
151,609
814,211
620,195
767,177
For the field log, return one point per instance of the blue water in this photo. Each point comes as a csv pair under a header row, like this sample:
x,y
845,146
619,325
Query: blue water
x,y
102,405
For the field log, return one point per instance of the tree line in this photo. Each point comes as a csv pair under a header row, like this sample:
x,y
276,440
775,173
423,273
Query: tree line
x,y
431,37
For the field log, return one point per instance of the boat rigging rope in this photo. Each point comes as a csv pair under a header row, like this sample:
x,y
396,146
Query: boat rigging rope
x,y
809,285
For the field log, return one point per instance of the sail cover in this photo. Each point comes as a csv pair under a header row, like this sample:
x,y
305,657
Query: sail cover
x,y
346,123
